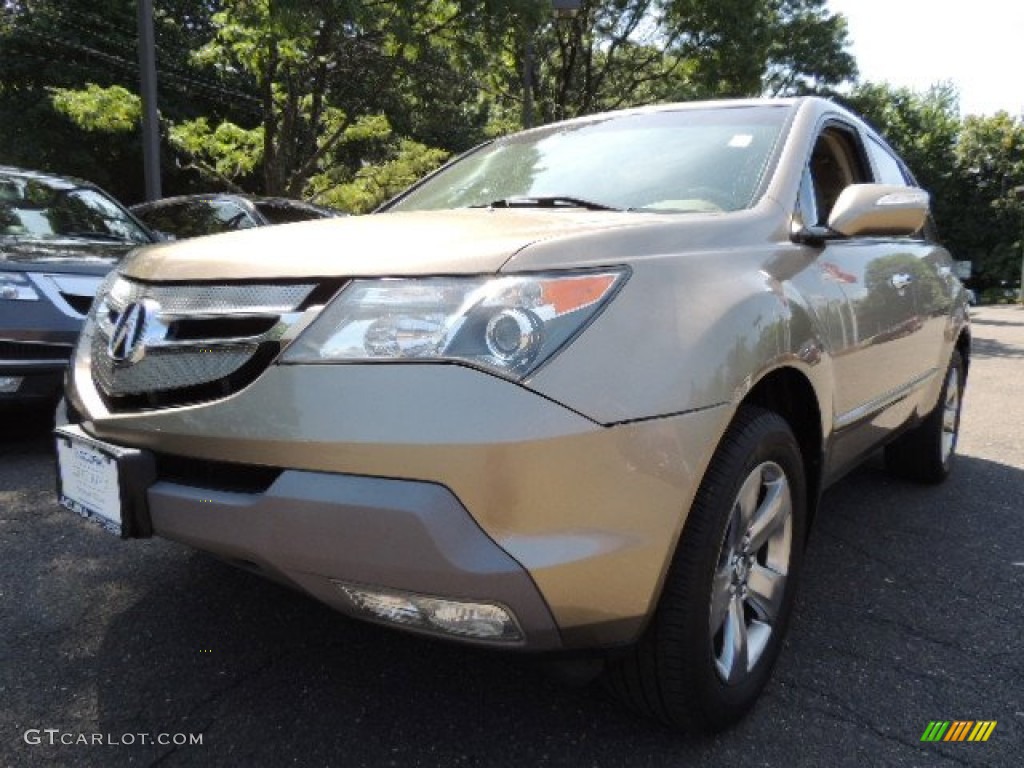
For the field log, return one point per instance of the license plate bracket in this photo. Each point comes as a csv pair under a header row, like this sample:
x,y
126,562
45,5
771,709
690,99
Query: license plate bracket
x,y
104,483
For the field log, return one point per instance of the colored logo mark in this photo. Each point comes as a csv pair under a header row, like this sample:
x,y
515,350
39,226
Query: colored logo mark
x,y
958,730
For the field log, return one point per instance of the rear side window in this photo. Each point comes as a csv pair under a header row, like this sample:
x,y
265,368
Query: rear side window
x,y
887,167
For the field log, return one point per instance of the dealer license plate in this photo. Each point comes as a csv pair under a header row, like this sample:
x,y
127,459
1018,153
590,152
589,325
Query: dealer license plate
x,y
89,477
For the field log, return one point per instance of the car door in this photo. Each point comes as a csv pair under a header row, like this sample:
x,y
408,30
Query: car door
x,y
933,283
877,346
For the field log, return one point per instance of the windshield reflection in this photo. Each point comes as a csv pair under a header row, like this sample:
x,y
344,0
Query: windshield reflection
x,y
37,208
682,160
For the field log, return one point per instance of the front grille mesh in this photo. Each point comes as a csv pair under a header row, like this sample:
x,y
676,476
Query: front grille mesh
x,y
240,299
174,370
165,369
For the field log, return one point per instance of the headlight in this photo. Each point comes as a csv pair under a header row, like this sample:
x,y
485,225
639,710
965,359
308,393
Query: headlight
x,y
509,325
14,286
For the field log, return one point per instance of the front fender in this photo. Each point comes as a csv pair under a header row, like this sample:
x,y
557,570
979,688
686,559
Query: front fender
x,y
687,332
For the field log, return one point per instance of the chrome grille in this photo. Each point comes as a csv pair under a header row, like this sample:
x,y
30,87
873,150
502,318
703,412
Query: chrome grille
x,y
211,299
180,347
165,369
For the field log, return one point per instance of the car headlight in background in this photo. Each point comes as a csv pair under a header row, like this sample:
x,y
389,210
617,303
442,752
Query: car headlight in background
x,y
15,286
509,325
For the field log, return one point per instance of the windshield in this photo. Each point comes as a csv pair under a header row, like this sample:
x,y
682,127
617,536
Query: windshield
x,y
684,160
194,218
43,209
280,212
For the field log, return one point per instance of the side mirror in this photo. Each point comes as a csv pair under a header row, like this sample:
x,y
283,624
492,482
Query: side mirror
x,y
879,209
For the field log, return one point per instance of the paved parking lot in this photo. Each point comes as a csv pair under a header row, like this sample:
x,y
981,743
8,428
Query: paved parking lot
x,y
911,611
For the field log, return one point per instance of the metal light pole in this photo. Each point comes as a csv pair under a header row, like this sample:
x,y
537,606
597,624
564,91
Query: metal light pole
x,y
1019,193
528,81
1020,291
150,118
561,9
566,8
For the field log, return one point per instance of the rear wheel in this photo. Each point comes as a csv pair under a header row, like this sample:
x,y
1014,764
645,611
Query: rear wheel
x,y
925,453
718,629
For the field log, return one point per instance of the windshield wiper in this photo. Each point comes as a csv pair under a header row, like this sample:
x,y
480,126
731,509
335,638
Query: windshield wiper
x,y
551,201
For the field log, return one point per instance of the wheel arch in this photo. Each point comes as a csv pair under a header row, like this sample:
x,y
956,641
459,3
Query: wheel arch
x,y
789,393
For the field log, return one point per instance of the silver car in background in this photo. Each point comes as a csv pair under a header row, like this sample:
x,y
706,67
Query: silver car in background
x,y
59,237
578,391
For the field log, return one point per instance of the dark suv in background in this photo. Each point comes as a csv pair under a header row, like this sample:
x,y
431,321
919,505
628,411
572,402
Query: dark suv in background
x,y
210,214
59,237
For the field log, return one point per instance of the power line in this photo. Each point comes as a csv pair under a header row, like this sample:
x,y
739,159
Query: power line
x,y
179,81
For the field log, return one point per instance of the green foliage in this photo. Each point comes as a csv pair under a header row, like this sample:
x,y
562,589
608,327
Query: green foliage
x,y
68,44
349,101
618,53
375,184
267,94
224,153
807,49
111,110
924,129
971,167
991,156
751,47
990,162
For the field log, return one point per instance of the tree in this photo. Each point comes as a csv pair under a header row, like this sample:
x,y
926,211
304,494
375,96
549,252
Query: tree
x,y
341,99
619,53
924,129
970,166
990,163
43,45
750,47
68,44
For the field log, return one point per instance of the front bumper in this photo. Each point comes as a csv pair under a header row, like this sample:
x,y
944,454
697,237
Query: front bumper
x,y
32,372
311,529
435,479
36,342
29,385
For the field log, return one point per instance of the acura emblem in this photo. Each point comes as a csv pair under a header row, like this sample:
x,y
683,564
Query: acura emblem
x,y
128,340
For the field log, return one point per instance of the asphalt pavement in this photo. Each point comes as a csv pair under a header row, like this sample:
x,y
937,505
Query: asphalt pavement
x,y
910,612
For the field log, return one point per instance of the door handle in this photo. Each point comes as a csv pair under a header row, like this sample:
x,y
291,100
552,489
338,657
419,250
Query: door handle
x,y
900,281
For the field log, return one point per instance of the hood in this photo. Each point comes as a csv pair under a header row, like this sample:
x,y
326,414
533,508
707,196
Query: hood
x,y
466,241
60,255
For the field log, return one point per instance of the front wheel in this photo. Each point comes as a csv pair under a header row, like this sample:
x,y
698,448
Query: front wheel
x,y
718,628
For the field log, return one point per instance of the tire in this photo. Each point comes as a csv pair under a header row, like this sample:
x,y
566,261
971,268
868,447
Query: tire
x,y
925,454
718,628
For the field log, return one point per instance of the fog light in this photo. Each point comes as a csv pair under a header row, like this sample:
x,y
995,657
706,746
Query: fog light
x,y
481,621
10,384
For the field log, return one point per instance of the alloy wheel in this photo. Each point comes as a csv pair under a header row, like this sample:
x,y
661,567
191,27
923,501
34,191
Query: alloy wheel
x,y
750,577
950,413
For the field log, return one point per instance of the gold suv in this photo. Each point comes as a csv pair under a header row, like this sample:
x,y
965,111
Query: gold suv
x,y
580,389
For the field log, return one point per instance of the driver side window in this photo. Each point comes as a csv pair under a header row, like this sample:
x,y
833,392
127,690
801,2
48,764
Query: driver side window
x,y
835,164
